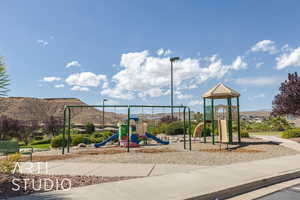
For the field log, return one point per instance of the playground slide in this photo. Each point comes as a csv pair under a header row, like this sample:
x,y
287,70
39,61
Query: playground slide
x,y
156,139
113,137
198,130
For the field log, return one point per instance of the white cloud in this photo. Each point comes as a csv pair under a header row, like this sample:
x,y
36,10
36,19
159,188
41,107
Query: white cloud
x,y
79,88
73,64
168,52
259,96
51,78
179,95
42,42
59,86
160,52
195,103
289,59
257,81
144,75
87,79
163,52
258,65
264,46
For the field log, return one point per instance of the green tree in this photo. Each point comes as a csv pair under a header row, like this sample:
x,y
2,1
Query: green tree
x,y
4,81
89,127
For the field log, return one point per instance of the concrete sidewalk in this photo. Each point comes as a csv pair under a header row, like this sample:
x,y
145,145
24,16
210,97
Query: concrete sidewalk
x,y
202,183
284,142
105,169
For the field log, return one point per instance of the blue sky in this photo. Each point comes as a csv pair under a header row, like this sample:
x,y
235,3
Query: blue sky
x,y
120,49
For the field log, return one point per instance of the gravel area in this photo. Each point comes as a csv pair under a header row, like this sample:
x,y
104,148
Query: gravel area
x,y
202,154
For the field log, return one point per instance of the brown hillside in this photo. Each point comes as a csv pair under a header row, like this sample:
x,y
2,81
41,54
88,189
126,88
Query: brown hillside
x,y
23,108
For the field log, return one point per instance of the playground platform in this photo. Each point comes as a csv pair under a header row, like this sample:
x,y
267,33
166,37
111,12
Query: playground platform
x,y
205,183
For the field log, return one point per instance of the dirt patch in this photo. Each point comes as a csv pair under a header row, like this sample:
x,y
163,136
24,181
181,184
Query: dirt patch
x,y
155,150
38,183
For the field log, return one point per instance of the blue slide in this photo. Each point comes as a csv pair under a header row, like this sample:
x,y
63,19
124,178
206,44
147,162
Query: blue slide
x,y
113,137
153,137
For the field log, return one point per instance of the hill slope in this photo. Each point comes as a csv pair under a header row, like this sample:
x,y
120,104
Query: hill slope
x,y
23,108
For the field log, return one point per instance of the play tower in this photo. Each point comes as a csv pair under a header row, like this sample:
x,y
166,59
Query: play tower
x,y
221,116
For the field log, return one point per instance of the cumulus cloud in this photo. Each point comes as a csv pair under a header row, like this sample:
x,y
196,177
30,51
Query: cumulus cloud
x,y
264,46
145,75
195,103
42,42
258,65
86,79
59,86
163,52
180,95
79,88
257,81
259,96
73,64
51,78
291,58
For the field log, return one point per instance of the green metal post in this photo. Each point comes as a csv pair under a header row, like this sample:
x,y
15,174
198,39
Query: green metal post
x,y
229,120
212,122
69,130
184,128
238,119
64,132
128,124
204,119
190,130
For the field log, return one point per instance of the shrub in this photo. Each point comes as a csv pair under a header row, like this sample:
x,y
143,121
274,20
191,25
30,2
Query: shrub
x,y
96,137
89,128
79,138
44,141
291,133
106,134
244,134
7,165
175,128
57,141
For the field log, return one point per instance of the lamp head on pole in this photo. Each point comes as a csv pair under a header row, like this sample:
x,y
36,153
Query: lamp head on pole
x,y
173,59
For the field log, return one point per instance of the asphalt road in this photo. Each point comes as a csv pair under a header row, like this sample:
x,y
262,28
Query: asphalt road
x,y
291,193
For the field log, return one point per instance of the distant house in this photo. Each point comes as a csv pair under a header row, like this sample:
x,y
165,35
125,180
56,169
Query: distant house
x,y
294,120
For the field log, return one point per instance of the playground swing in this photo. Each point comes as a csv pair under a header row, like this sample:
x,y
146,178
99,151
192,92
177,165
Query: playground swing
x,y
126,132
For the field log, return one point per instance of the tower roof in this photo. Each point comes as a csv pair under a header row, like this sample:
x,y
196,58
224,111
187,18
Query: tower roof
x,y
221,91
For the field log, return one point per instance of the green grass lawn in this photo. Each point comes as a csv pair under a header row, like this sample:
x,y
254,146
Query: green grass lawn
x,y
271,133
37,146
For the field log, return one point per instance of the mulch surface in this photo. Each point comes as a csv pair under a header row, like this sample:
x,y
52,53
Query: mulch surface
x,y
29,183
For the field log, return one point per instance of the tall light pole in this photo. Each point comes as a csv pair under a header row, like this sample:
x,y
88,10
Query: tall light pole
x,y
173,59
103,113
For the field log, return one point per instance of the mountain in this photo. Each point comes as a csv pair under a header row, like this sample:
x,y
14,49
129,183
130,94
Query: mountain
x,y
257,113
24,108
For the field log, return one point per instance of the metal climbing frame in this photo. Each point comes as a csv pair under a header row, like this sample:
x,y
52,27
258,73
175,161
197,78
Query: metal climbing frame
x,y
67,121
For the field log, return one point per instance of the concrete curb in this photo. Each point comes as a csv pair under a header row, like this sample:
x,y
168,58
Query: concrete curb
x,y
248,187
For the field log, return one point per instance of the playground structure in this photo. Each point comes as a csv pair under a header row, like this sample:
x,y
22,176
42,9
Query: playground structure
x,y
131,130
220,115
137,132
